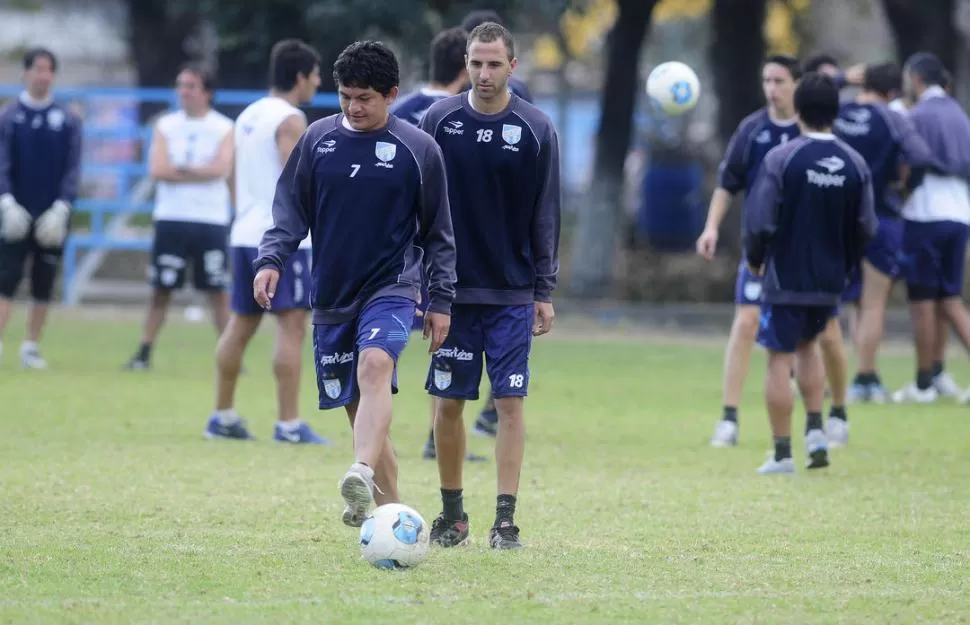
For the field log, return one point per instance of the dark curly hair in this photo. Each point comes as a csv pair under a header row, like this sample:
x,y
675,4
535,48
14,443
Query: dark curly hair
x,y
367,65
448,55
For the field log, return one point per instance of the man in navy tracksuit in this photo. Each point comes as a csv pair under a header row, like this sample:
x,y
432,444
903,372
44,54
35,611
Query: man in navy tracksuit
x,y
809,217
40,160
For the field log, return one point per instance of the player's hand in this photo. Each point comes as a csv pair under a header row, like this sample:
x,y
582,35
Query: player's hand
x,y
755,271
707,243
264,286
436,326
545,313
14,219
856,74
51,227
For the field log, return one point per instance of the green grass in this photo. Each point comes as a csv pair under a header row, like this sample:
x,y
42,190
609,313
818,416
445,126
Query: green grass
x,y
113,509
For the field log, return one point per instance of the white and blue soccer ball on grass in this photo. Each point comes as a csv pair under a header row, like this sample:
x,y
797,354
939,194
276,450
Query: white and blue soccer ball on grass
x,y
394,536
673,87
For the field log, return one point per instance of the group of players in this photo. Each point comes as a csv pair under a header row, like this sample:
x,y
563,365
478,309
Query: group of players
x,y
843,198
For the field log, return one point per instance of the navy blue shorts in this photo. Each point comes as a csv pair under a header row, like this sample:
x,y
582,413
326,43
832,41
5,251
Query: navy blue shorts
x,y
503,334
783,328
747,288
292,291
384,323
883,253
933,257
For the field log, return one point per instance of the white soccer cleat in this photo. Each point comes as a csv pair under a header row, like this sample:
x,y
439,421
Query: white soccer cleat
x,y
357,487
910,394
725,434
837,431
785,466
816,449
30,358
946,386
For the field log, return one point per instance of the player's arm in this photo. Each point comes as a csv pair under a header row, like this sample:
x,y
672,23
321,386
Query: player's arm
x,y
14,218
72,178
292,206
6,151
437,236
546,223
159,165
761,212
917,155
731,176
220,167
288,134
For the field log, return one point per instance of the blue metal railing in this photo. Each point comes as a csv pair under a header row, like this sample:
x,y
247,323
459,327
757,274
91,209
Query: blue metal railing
x,y
125,174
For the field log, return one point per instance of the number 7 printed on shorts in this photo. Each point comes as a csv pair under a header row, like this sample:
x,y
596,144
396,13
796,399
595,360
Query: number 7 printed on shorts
x,y
373,333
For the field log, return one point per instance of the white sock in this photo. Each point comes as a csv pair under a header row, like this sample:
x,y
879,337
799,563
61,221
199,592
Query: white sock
x,y
28,346
290,426
227,417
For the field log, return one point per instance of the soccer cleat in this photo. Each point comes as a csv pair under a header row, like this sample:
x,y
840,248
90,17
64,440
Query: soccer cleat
x,y
487,423
946,386
356,488
504,536
857,394
137,364
429,452
303,435
30,358
448,532
817,449
837,432
910,394
217,428
725,434
785,466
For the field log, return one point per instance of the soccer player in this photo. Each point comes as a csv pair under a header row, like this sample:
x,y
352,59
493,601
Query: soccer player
x,y
937,216
502,158
371,191
472,21
40,160
191,159
809,217
265,133
882,137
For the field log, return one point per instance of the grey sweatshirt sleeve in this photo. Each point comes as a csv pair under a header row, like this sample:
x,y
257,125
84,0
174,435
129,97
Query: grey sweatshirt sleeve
x,y
72,178
547,218
292,208
435,232
868,221
761,210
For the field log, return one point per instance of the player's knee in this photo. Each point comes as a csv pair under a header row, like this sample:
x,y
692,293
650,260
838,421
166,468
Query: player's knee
x,y
374,369
449,409
746,321
510,408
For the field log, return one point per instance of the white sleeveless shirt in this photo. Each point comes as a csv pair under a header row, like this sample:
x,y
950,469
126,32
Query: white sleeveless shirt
x,y
193,141
258,169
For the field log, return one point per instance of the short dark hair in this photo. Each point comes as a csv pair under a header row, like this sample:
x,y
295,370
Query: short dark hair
x,y
37,52
815,63
489,32
476,18
203,73
448,55
788,62
817,100
884,79
367,65
928,67
290,59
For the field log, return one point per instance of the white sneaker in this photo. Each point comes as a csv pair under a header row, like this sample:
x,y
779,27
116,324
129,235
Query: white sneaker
x,y
771,466
357,489
837,431
725,434
946,386
816,449
909,394
30,358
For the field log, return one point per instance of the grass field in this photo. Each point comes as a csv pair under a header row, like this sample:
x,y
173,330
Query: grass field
x,y
113,509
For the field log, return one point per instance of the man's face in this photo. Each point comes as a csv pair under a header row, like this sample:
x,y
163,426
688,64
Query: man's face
x,y
365,109
489,67
829,69
192,96
40,77
778,86
912,85
307,85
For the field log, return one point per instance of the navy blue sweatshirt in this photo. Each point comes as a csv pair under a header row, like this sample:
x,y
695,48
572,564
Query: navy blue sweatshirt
x,y
505,196
882,137
754,137
810,216
40,154
376,206
412,107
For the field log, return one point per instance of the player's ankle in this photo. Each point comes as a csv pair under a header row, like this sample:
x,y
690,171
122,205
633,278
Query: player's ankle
x,y
452,504
924,379
782,448
730,414
813,421
504,509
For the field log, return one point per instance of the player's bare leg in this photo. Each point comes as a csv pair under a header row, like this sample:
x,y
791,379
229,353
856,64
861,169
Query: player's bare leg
x,y
287,366
375,464
6,311
943,382
509,453
219,305
225,422
876,287
737,356
923,314
832,346
30,357
430,449
779,401
810,375
450,529
154,320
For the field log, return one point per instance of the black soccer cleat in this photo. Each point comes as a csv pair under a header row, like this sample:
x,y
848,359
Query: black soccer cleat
x,y
429,452
504,536
448,532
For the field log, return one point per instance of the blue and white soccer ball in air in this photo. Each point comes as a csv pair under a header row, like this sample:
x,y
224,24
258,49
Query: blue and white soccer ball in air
x,y
394,536
674,87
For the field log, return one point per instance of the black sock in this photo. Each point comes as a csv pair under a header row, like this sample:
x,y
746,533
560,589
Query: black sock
x,y
505,510
924,379
937,367
144,352
838,412
782,447
730,414
431,437
813,421
453,505
866,378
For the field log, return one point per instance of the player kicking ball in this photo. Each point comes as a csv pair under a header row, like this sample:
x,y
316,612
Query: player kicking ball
x,y
809,218
265,134
502,158
371,191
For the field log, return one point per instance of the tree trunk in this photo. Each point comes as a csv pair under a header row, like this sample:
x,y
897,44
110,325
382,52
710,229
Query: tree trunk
x,y
737,51
924,26
594,249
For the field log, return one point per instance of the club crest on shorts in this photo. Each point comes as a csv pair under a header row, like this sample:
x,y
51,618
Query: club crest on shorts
x,y
511,133
385,151
442,376
752,290
331,386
